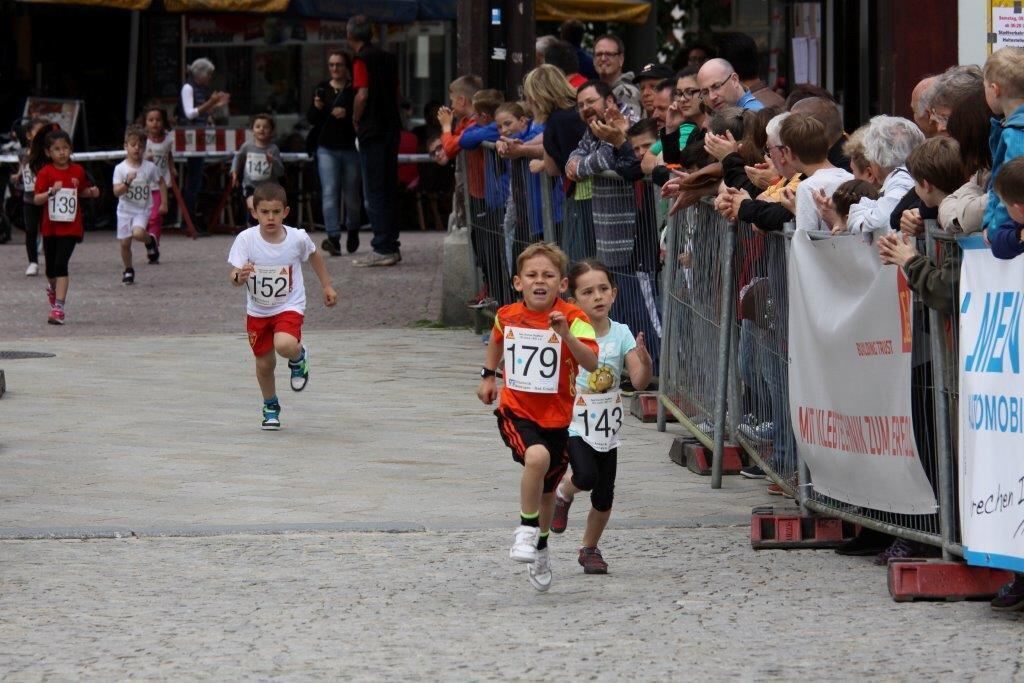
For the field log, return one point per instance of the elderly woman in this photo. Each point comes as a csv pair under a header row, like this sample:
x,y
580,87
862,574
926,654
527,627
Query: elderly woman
x,y
198,101
888,141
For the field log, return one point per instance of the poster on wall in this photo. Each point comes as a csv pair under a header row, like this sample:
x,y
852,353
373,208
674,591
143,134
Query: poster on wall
x,y
65,113
1007,27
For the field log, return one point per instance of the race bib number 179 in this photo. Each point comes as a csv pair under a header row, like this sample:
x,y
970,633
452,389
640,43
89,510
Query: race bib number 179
x,y
532,360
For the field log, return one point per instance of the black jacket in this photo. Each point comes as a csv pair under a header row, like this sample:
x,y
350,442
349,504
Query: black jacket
x,y
380,117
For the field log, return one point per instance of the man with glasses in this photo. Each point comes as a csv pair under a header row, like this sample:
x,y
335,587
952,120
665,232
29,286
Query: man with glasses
x,y
720,87
609,56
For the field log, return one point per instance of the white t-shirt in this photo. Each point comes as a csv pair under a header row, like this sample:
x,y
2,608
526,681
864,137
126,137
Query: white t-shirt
x,y
160,154
827,179
277,285
139,196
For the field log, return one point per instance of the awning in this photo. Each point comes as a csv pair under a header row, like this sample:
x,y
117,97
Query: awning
x,y
625,11
114,4
262,6
384,11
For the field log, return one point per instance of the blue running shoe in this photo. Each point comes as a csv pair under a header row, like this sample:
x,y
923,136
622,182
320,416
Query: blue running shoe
x,y
271,417
300,370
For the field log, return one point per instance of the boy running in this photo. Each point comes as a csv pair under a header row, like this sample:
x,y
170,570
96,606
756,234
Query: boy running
x,y
267,260
541,341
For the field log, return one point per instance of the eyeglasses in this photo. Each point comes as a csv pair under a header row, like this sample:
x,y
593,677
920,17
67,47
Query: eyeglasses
x,y
715,87
606,55
769,148
687,94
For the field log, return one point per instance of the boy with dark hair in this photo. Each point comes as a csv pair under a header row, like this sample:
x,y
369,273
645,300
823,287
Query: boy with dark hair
x,y
542,340
267,260
805,146
1008,241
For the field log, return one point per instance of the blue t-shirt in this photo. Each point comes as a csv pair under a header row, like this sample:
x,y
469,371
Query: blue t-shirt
x,y
612,350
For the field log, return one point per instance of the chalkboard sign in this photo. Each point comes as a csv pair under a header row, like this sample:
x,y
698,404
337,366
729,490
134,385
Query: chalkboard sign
x,y
165,59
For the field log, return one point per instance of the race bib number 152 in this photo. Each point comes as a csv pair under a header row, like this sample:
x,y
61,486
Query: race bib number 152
x,y
270,285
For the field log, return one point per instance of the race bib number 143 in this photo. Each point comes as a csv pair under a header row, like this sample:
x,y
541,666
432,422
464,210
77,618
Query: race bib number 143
x,y
532,360
598,419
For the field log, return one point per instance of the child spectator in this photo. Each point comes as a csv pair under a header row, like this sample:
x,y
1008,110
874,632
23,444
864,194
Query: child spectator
x,y
134,179
593,438
257,161
60,185
267,259
1004,92
30,165
158,151
805,139
537,398
845,196
524,220
938,170
1008,241
460,96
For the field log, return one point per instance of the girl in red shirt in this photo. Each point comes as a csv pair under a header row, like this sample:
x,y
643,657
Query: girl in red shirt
x,y
60,185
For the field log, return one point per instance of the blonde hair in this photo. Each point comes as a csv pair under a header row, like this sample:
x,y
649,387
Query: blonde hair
x,y
548,250
487,101
853,148
466,85
547,90
1005,68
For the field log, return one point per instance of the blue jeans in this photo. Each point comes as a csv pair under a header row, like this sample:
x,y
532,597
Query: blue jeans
x,y
340,173
379,157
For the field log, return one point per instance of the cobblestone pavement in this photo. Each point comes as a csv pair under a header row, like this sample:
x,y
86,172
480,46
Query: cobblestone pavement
x,y
196,546
693,604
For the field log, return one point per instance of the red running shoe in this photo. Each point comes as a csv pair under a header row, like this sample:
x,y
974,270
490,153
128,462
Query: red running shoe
x,y
56,316
592,562
561,517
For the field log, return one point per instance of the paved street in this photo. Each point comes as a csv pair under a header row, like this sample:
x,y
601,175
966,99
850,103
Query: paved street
x,y
149,529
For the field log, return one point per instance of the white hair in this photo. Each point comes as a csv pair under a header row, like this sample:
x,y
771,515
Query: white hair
x,y
544,42
889,140
773,127
201,66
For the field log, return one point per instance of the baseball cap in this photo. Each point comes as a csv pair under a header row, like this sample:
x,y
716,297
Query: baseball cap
x,y
658,72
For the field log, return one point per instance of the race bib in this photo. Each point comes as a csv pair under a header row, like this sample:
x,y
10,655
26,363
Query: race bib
x,y
270,285
63,205
138,193
160,161
598,419
28,179
257,166
532,360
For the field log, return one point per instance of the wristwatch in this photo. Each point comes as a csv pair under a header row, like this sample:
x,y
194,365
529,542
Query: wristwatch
x,y
485,373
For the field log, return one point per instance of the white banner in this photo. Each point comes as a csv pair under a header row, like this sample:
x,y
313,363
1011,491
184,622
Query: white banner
x,y
991,408
849,375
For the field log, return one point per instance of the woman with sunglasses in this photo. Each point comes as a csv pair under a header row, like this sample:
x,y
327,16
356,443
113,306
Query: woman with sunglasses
x,y
333,141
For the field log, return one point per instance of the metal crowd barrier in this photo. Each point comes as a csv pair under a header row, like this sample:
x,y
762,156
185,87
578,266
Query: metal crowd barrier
x,y
616,221
725,366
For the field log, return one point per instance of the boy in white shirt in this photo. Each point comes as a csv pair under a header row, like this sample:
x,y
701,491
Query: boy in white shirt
x,y
805,145
134,180
267,260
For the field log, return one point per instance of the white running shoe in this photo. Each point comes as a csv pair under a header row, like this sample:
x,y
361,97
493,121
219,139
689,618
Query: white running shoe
x,y
524,544
540,571
32,270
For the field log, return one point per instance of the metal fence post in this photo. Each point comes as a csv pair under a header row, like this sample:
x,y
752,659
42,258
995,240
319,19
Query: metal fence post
x,y
724,334
547,210
668,279
945,464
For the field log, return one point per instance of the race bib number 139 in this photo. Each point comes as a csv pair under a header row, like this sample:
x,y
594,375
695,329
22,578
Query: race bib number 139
x,y
532,360
63,205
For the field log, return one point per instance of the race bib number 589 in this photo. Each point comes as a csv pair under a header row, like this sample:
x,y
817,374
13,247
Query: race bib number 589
x,y
532,360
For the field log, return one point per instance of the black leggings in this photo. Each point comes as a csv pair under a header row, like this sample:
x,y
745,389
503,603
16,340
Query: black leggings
x,y
58,252
593,471
32,214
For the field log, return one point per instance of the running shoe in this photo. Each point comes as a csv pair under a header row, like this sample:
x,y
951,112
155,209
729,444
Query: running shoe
x,y
1010,597
152,250
352,242
899,550
376,259
56,316
753,472
524,544
332,245
760,433
540,571
32,270
271,417
128,278
592,562
300,370
561,518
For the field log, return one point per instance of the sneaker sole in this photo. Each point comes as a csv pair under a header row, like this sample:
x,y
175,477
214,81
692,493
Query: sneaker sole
x,y
270,428
543,588
55,322
1013,608
745,475
520,557
592,570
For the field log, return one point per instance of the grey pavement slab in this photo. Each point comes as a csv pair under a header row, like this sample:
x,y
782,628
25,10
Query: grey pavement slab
x,y
161,435
678,604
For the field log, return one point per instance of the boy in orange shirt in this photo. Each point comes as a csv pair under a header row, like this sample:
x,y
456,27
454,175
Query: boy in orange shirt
x,y
541,341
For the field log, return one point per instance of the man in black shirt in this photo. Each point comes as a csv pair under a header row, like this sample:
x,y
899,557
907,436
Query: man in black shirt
x,y
378,125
